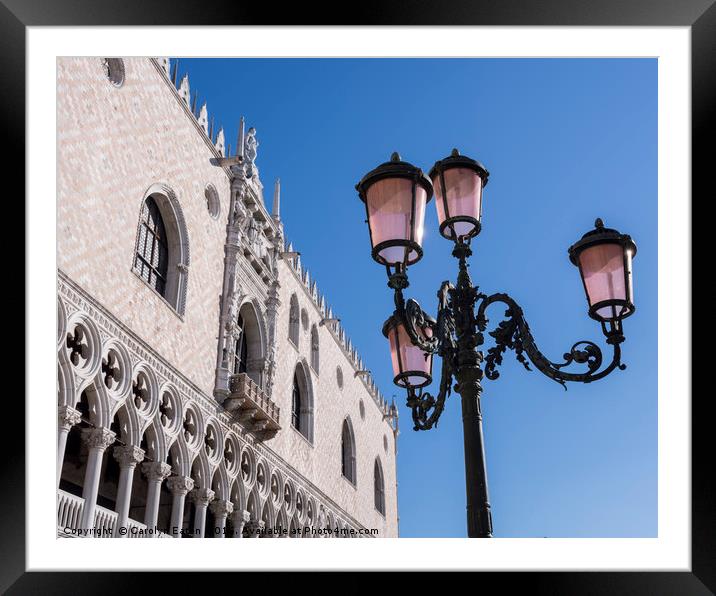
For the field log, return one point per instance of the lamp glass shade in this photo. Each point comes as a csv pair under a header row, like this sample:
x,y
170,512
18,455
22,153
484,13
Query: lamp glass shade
x,y
411,366
458,202
394,220
606,271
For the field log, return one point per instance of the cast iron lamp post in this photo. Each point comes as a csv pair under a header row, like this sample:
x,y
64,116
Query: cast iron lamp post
x,y
395,195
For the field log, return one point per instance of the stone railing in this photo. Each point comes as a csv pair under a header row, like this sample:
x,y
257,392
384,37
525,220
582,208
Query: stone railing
x,y
69,511
69,515
255,410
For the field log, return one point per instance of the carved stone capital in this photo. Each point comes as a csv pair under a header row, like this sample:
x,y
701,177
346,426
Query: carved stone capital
x,y
180,485
67,417
202,496
98,438
128,455
156,470
221,508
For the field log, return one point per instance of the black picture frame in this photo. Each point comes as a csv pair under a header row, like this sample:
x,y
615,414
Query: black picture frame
x,y
700,15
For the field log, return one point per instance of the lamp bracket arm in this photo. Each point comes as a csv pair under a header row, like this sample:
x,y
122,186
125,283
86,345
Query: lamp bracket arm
x,y
426,408
514,333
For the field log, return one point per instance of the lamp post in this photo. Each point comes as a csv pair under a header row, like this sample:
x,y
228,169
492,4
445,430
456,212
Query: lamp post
x,y
395,195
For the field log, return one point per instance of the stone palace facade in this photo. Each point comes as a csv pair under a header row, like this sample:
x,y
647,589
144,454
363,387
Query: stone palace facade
x,y
205,387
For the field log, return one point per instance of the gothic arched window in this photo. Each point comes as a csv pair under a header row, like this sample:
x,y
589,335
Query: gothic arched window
x,y
241,348
314,349
161,256
302,401
348,452
296,405
152,257
293,321
378,487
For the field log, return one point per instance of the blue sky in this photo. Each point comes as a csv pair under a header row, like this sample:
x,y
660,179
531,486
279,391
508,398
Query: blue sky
x,y
565,141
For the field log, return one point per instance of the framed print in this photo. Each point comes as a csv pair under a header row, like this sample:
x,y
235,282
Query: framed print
x,y
416,279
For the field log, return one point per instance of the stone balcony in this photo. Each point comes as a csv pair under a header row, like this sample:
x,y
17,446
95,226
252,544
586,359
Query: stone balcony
x,y
253,409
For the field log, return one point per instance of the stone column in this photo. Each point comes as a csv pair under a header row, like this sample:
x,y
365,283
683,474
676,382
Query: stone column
x,y
201,497
127,456
67,417
220,509
156,473
241,518
180,486
97,439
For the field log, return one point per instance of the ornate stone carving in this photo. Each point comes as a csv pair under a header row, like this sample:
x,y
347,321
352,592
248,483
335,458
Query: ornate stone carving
x,y
156,471
67,417
98,438
180,485
202,496
221,508
251,146
128,455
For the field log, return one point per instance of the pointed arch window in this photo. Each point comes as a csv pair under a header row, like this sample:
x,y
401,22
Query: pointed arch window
x,y
302,401
378,487
296,405
348,452
241,348
152,258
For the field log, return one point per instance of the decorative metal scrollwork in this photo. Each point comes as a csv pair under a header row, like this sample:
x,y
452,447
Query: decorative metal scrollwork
x,y
514,333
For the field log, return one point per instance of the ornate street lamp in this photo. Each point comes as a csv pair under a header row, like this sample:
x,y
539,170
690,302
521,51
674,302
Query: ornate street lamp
x,y
395,194
458,182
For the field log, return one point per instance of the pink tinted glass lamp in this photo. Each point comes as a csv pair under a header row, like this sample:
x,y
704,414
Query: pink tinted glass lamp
x,y
395,195
604,257
458,182
412,366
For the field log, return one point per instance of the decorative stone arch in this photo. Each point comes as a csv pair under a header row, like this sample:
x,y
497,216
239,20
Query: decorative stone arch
x,y
168,415
83,347
231,455
201,471
126,425
213,441
237,495
155,441
116,369
192,431
177,243
294,528
220,484
294,322
255,334
305,410
61,322
267,515
348,452
99,410
247,468
180,457
253,504
143,391
281,522
66,395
